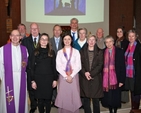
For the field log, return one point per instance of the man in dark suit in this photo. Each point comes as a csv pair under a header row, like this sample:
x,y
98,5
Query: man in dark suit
x,y
56,42
30,44
74,28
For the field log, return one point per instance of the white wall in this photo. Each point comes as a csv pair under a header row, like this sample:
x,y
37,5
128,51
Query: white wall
x,y
92,27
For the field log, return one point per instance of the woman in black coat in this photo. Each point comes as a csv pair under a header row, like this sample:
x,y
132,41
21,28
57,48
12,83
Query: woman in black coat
x,y
113,75
133,69
44,74
90,77
122,43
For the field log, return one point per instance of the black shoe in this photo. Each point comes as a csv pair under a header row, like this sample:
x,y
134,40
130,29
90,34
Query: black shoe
x,y
32,110
81,107
52,105
55,106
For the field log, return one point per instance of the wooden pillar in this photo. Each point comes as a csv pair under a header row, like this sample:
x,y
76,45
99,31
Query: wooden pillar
x,y
10,17
137,10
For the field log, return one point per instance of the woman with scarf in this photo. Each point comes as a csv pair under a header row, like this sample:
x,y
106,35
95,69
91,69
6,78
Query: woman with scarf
x,y
133,69
113,75
68,65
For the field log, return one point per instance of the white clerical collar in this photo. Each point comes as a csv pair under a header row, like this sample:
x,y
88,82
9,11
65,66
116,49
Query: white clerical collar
x,y
15,46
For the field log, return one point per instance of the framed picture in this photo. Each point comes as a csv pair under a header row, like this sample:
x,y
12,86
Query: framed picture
x,y
65,7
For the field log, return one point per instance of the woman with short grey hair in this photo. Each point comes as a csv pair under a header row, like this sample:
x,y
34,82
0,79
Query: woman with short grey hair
x,y
133,69
90,75
113,75
81,41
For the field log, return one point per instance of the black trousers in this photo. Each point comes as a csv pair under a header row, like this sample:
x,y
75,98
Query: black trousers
x,y
113,110
54,94
87,105
33,100
44,105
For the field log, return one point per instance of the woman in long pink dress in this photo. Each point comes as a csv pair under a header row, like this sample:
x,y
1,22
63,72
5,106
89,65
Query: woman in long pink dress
x,y
68,64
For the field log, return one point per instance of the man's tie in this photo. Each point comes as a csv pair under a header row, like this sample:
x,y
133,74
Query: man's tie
x,y
35,42
73,36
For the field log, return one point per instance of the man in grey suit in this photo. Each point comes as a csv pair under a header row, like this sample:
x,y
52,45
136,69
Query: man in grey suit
x,y
56,42
100,38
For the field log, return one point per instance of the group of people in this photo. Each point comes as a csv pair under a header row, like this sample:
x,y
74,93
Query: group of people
x,y
69,71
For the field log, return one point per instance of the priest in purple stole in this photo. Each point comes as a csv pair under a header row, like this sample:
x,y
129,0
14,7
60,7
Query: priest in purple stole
x,y
13,91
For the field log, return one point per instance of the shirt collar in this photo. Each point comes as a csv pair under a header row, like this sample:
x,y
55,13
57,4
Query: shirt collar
x,y
57,37
73,32
37,38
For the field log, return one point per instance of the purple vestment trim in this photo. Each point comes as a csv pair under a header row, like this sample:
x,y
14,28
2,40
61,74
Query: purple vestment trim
x,y
9,79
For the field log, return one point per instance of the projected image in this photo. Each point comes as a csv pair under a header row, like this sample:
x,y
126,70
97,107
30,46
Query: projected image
x,y
65,7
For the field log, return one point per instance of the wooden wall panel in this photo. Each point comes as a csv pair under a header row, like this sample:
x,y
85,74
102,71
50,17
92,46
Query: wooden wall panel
x,y
15,15
2,22
138,16
120,14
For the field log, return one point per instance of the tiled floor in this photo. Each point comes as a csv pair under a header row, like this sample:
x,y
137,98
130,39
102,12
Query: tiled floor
x,y
125,109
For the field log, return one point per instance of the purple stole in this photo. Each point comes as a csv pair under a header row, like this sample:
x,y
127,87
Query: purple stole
x,y
9,88
68,69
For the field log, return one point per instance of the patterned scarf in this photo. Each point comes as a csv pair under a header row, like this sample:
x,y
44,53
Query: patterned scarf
x,y
109,74
129,60
68,65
